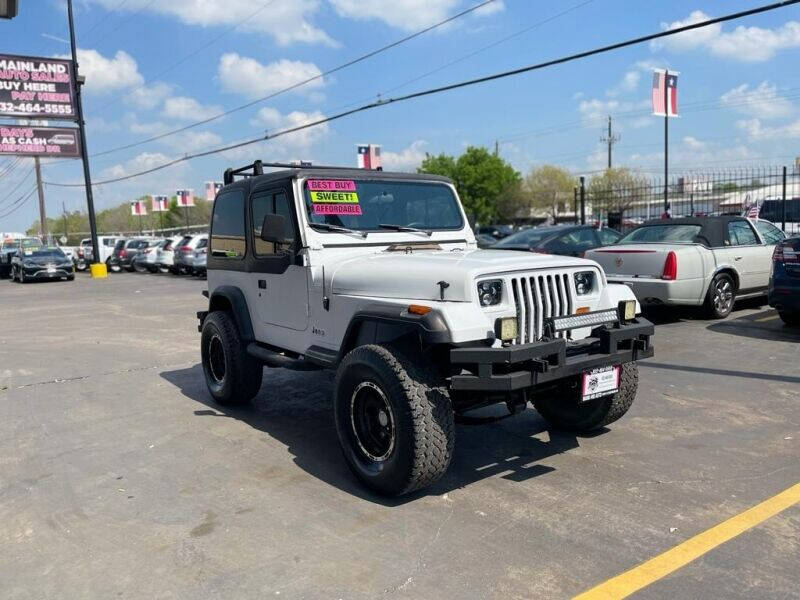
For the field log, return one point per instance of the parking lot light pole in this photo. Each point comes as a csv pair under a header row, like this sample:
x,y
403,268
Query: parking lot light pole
x,y
82,132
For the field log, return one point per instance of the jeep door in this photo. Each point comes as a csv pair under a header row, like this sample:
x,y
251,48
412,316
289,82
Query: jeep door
x,y
279,281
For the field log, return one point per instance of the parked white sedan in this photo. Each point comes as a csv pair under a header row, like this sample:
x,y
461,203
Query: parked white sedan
x,y
700,261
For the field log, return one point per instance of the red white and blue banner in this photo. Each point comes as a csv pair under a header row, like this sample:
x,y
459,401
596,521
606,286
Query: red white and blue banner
x,y
138,208
212,189
185,197
159,203
665,104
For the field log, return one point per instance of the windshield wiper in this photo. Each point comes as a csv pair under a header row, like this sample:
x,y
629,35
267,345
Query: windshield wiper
x,y
329,227
427,232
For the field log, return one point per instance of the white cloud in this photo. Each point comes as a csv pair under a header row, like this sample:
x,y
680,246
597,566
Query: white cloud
x,y
628,83
407,159
746,44
285,21
248,77
302,141
597,110
761,102
141,162
188,109
693,143
758,132
408,15
148,96
107,74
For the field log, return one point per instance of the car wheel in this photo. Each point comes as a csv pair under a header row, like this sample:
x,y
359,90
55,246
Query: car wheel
x,y
164,269
564,408
232,375
721,296
21,276
790,318
70,277
139,268
13,274
394,420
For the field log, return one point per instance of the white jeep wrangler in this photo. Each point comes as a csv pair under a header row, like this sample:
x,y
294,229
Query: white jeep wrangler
x,y
378,276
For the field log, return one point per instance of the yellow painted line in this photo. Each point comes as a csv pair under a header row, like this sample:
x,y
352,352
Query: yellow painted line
x,y
762,319
673,559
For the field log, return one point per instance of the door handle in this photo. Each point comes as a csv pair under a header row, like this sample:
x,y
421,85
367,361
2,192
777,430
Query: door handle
x,y
262,284
737,258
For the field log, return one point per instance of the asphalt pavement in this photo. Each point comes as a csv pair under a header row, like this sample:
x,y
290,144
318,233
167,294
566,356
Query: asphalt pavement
x,y
120,478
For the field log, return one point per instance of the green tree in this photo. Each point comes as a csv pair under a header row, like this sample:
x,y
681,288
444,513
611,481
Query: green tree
x,y
616,190
485,182
550,189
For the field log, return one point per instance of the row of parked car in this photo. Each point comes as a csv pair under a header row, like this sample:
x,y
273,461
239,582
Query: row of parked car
x,y
181,254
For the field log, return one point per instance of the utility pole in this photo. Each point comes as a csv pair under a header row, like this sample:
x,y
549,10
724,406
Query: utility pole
x,y
64,209
82,132
42,216
610,139
496,148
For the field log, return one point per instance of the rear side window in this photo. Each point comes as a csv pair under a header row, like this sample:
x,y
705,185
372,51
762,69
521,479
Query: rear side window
x,y
661,234
741,234
227,226
608,236
202,243
770,233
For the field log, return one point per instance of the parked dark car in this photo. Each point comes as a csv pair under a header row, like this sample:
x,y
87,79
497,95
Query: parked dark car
x,y
131,250
41,263
498,232
485,241
113,261
784,281
566,240
11,247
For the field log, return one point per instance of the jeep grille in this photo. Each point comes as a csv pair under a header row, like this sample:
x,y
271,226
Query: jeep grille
x,y
536,297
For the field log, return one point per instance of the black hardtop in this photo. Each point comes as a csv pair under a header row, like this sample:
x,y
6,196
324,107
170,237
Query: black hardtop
x,y
251,181
714,229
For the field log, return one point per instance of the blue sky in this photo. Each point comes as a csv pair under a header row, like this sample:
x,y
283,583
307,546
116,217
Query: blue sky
x,y
154,66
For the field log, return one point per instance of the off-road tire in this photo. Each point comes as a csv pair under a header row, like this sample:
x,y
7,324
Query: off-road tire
x,y
792,319
712,309
564,409
421,413
239,378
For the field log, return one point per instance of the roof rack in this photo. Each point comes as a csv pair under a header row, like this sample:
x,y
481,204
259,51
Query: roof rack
x,y
257,168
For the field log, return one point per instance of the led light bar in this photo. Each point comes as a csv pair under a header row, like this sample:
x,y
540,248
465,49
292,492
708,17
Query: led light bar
x,y
592,319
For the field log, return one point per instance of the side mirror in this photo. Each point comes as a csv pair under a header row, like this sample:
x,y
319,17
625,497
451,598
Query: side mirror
x,y
273,229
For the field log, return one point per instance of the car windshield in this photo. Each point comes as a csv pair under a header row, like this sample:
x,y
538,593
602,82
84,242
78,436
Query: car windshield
x,y
382,205
524,239
30,243
45,253
654,234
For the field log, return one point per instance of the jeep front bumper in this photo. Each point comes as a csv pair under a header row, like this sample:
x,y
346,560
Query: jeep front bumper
x,y
526,365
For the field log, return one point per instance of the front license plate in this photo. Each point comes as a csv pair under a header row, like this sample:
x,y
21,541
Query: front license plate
x,y
51,269
599,382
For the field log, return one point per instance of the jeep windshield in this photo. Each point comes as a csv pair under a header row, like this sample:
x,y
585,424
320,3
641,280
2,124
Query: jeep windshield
x,y
381,205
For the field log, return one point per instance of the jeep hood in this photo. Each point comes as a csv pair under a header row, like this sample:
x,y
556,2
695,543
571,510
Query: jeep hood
x,y
416,276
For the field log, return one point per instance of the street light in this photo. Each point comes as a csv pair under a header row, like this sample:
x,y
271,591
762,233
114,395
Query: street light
x,y
8,9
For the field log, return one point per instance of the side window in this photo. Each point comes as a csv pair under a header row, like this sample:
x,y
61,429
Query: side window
x,y
608,236
741,234
578,239
770,233
262,204
227,226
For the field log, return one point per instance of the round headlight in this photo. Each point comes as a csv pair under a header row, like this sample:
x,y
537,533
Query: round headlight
x,y
490,292
584,283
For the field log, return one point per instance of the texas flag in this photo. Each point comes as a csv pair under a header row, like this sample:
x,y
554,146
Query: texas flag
x,y
138,208
185,198
212,188
159,203
671,95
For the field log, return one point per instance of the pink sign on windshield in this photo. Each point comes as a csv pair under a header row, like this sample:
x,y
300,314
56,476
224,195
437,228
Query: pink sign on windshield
x,y
331,185
337,209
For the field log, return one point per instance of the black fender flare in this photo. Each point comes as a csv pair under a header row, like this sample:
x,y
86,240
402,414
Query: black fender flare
x,y
231,298
431,327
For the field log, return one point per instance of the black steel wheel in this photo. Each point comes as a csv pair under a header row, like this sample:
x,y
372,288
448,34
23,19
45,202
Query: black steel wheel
x,y
394,420
232,375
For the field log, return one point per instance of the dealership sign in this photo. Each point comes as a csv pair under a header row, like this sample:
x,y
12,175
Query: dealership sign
x,y
41,88
56,142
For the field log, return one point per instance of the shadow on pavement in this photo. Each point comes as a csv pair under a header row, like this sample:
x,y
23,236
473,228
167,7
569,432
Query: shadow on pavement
x,y
766,325
723,372
295,409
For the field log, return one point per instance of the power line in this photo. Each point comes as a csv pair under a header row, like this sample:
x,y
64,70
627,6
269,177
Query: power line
x,y
19,203
16,187
186,57
454,86
123,21
340,67
102,19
